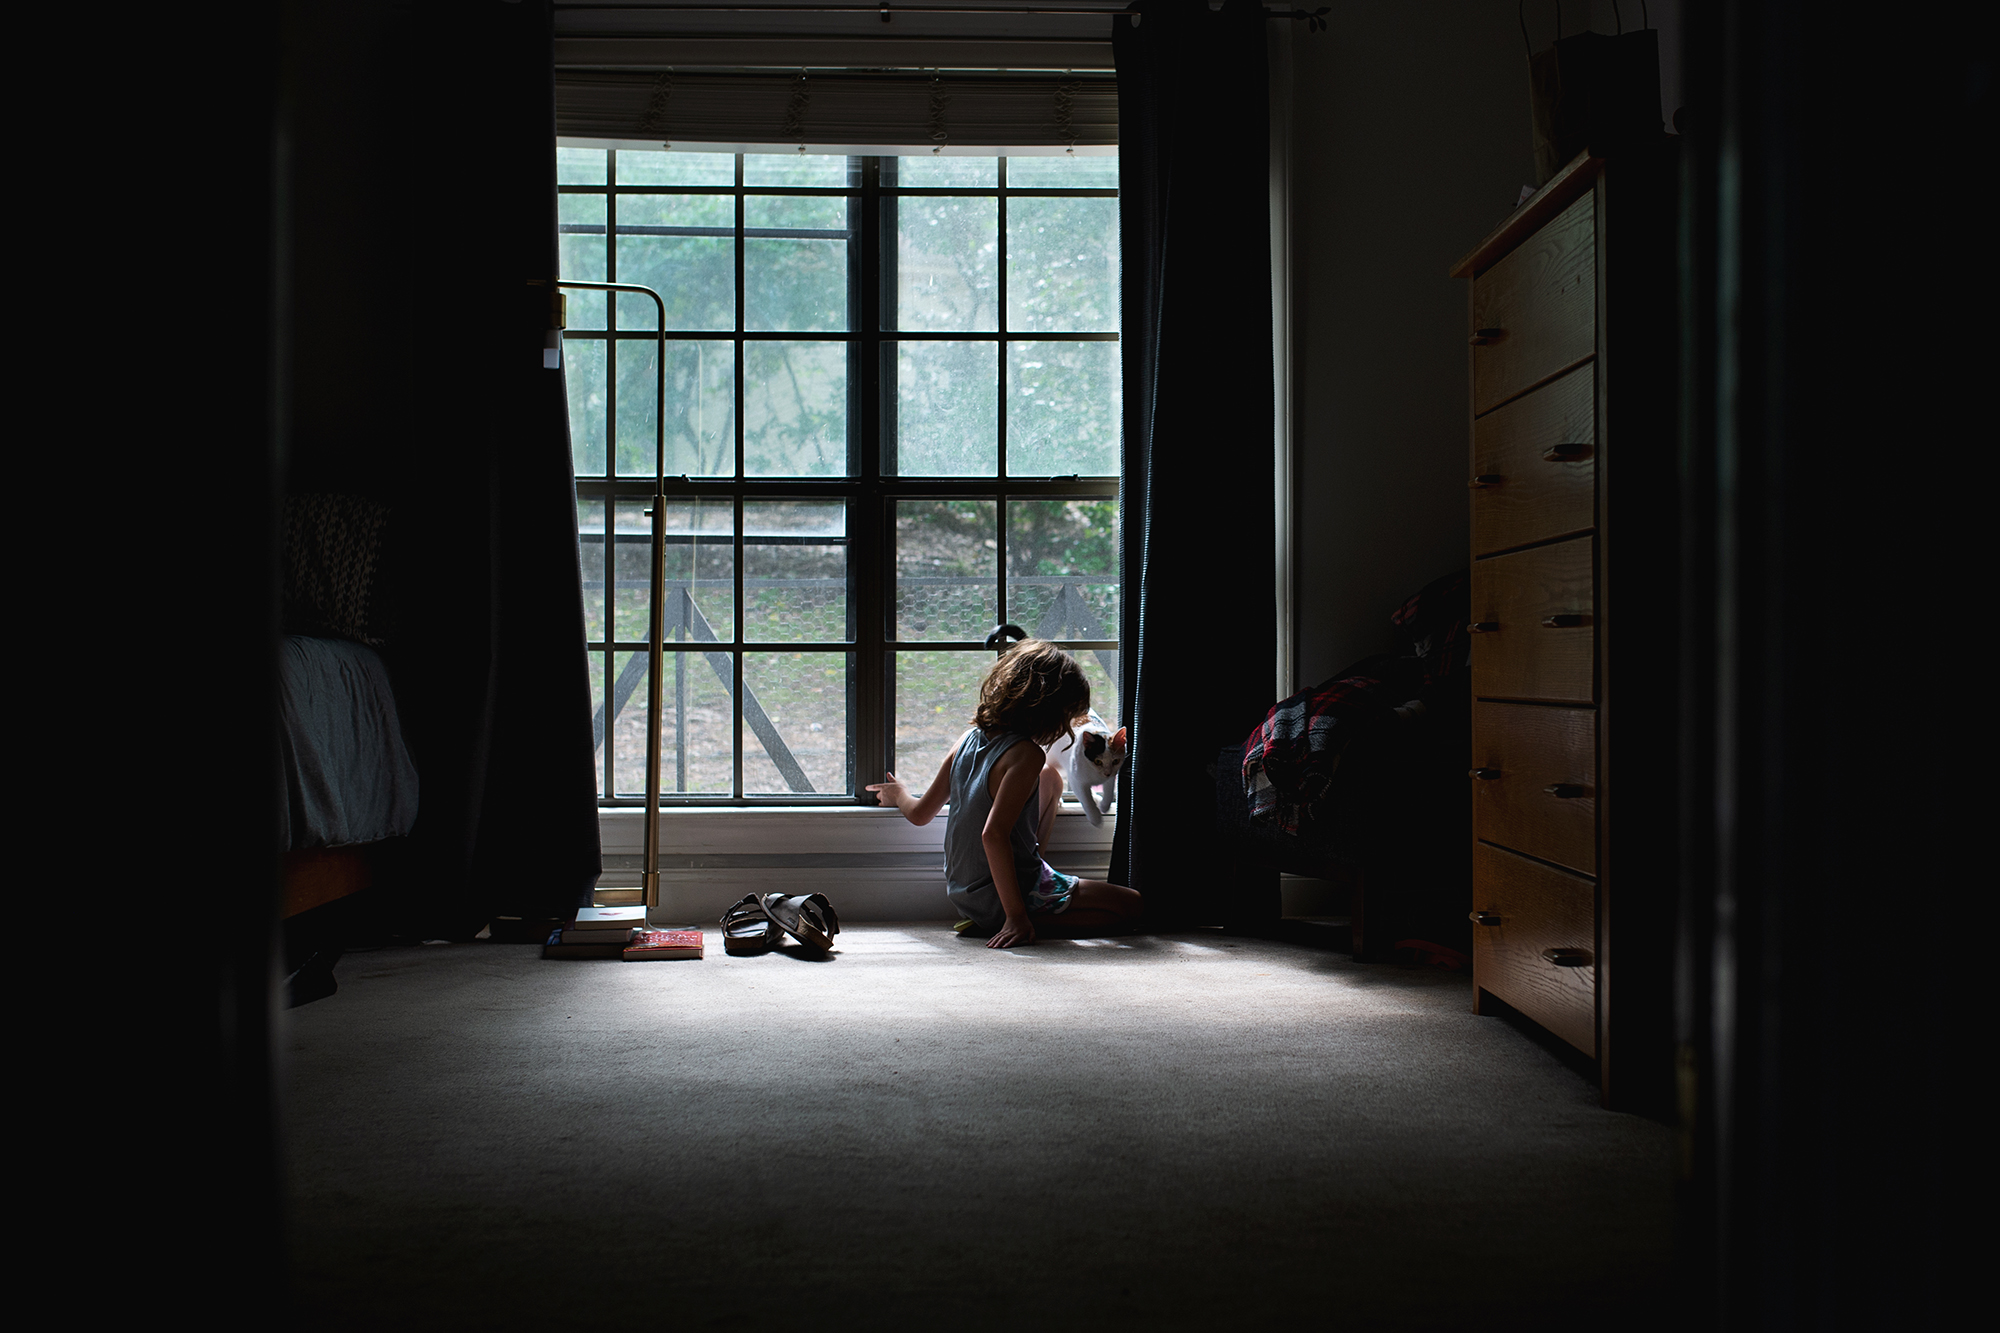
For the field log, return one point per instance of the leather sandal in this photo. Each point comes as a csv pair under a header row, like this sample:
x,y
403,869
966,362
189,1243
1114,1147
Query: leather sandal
x,y
748,929
808,918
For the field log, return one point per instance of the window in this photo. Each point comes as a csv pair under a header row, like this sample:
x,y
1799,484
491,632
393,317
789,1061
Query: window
x,y
892,415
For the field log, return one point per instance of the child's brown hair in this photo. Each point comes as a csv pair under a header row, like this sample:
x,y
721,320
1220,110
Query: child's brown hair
x,y
1035,689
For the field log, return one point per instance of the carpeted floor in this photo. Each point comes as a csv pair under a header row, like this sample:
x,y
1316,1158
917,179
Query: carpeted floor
x,y
1165,1132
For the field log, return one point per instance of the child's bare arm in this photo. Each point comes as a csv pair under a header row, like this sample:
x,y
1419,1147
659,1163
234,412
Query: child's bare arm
x,y
1014,780
918,811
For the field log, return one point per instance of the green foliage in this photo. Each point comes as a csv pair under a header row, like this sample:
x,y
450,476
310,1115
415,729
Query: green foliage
x,y
637,167
795,409
946,401
1064,409
947,264
1062,265
942,172
1080,171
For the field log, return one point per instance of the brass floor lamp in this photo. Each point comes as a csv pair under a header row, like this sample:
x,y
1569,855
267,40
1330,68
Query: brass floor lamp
x,y
656,634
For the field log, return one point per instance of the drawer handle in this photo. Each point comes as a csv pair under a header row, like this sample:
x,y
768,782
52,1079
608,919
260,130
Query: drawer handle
x,y
1566,791
1483,627
1484,918
1485,479
1565,620
1567,957
1484,774
1481,337
1568,453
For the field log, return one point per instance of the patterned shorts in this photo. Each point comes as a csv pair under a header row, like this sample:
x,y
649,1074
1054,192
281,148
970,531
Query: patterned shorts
x,y
1052,891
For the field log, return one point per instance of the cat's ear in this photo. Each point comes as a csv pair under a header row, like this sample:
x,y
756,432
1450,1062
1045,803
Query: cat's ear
x,y
1118,738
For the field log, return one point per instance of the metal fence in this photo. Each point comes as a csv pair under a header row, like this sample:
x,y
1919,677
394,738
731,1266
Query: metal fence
x,y
1068,616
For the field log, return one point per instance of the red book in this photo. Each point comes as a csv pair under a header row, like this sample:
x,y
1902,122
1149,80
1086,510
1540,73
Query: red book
x,y
647,945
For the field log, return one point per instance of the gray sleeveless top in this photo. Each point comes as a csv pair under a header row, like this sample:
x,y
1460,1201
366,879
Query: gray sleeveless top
x,y
971,802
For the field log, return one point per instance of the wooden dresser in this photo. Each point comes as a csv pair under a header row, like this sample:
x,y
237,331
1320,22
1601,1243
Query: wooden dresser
x,y
1575,614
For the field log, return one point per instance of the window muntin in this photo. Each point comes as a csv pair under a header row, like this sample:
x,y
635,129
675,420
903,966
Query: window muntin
x,y
892,407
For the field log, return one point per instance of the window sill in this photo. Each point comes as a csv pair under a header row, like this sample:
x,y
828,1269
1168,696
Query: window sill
x,y
875,864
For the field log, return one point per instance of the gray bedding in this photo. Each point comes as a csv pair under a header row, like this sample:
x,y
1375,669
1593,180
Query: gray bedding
x,y
348,775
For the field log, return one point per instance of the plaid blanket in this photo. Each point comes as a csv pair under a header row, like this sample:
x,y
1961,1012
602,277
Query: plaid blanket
x,y
1289,762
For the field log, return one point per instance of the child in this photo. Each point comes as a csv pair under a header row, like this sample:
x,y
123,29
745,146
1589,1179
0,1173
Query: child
x,y
1003,795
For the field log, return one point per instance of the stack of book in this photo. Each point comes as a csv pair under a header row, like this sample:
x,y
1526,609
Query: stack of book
x,y
619,932
597,932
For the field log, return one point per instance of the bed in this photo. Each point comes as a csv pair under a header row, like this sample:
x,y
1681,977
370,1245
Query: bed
x,y
349,782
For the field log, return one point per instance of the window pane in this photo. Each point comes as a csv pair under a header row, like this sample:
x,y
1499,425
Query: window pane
x,y
583,379
1062,265
794,579
704,211
1100,668
795,286
1062,568
627,732
631,571
930,173
796,169
796,212
637,367
639,167
947,423
599,664
700,726
701,571
936,693
701,409
1065,410
579,166
795,708
795,409
1063,172
946,559
694,275
591,550
947,264
581,255
697,748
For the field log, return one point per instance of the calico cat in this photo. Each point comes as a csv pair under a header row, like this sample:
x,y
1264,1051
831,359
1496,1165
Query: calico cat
x,y
1092,759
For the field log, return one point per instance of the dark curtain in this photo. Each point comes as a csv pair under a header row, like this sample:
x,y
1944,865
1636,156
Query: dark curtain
x,y
1196,660
492,664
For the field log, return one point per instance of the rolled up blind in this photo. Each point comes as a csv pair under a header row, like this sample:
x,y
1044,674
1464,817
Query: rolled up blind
x,y
838,108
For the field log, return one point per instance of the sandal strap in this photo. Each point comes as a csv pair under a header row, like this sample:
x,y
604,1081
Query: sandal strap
x,y
749,908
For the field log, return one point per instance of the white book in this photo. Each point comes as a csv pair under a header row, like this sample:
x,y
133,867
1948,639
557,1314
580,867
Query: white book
x,y
608,918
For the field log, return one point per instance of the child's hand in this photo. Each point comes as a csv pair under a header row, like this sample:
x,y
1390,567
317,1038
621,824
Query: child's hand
x,y
1011,933
892,792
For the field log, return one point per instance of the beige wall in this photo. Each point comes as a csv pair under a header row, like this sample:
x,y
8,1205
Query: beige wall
x,y
1410,140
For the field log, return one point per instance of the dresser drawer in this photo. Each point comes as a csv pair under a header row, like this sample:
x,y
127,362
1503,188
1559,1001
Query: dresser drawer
x,y
1534,314
1534,465
1532,631
1534,781
1534,942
